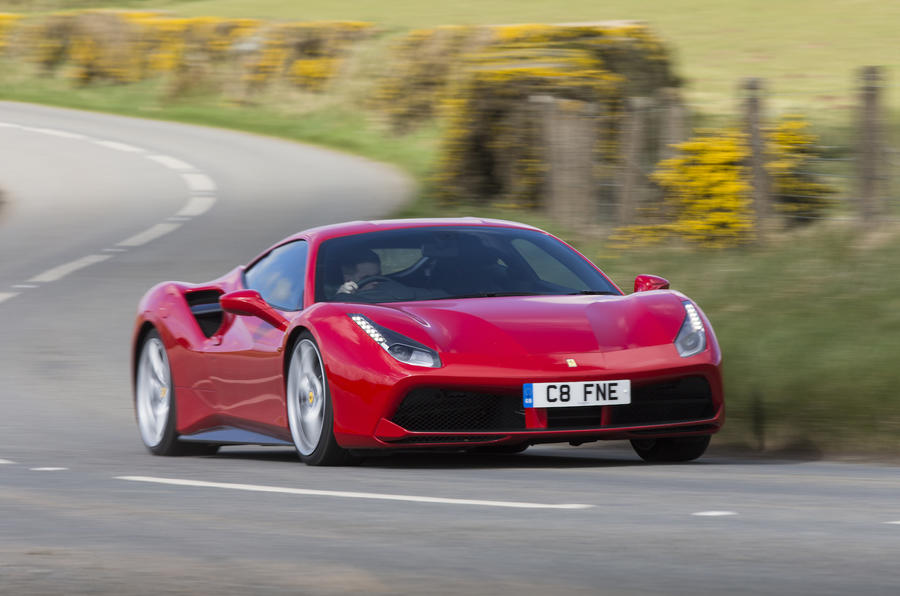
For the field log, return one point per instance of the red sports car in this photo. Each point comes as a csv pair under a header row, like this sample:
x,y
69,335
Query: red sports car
x,y
444,333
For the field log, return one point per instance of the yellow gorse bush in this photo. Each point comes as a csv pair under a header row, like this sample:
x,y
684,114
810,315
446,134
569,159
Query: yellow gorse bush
x,y
426,62
128,46
707,187
493,146
707,191
8,23
307,54
314,73
799,196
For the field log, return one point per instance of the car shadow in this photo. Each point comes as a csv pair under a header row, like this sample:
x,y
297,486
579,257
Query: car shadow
x,y
607,456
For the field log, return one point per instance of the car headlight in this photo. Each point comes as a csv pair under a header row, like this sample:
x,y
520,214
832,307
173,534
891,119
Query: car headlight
x,y
691,338
400,347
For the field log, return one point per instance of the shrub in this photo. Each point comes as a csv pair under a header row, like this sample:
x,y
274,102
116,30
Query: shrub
x,y
707,187
426,62
798,194
706,191
127,46
422,67
307,54
8,24
493,147
47,42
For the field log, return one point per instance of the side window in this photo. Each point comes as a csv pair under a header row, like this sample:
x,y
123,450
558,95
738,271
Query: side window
x,y
279,276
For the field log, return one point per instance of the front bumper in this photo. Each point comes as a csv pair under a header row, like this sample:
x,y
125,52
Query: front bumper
x,y
461,405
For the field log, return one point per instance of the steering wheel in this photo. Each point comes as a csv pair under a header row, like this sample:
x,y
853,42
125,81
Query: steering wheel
x,y
370,279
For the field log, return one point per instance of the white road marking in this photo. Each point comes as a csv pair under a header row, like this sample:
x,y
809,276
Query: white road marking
x,y
150,234
6,461
196,206
63,270
351,495
714,513
47,469
196,182
171,162
896,523
199,182
59,133
119,146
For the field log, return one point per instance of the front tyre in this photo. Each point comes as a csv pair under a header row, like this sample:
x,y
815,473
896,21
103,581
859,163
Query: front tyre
x,y
154,403
154,398
672,449
309,408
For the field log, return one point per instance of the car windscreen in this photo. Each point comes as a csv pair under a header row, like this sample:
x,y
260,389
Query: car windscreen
x,y
432,263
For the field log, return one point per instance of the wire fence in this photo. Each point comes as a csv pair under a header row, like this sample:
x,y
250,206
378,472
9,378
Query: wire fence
x,y
853,159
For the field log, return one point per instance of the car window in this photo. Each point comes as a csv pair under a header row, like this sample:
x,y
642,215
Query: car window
x,y
547,267
279,276
431,263
397,259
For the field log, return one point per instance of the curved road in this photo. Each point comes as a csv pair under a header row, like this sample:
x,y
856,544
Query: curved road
x,y
98,208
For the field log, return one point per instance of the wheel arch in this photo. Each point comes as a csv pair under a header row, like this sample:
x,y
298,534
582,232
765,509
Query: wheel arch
x,y
289,344
142,332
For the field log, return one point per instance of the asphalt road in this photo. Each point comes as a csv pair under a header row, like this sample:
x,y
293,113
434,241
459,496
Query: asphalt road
x,y
99,208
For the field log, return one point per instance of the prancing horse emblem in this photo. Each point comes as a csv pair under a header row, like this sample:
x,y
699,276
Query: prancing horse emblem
x,y
571,362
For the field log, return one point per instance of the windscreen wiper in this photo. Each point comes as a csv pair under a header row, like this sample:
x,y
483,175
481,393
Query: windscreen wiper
x,y
592,293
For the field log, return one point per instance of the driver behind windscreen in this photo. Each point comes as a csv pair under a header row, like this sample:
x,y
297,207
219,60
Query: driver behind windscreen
x,y
360,266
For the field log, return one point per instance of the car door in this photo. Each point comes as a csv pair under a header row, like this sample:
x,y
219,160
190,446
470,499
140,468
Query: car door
x,y
247,366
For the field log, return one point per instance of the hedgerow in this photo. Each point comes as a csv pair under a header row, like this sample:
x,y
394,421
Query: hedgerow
x,y
493,146
129,46
800,196
7,25
426,62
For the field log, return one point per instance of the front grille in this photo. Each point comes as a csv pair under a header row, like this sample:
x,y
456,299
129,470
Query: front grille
x,y
441,410
435,410
680,400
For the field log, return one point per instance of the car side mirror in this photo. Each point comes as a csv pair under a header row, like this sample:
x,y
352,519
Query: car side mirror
x,y
645,283
249,303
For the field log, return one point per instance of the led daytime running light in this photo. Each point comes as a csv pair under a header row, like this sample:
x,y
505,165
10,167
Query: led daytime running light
x,y
370,330
400,347
693,317
691,339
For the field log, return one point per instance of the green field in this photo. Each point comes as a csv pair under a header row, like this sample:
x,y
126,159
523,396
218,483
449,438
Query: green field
x,y
809,324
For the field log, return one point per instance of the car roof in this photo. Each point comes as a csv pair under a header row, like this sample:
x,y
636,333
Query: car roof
x,y
351,228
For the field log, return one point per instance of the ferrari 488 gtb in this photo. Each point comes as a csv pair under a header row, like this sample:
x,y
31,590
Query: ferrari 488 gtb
x,y
450,334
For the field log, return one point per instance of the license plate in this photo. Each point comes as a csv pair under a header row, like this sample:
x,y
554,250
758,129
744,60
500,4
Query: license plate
x,y
579,393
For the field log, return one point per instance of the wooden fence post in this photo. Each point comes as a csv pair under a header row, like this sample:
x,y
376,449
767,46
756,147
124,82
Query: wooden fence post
x,y
870,148
760,189
674,123
632,187
570,135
